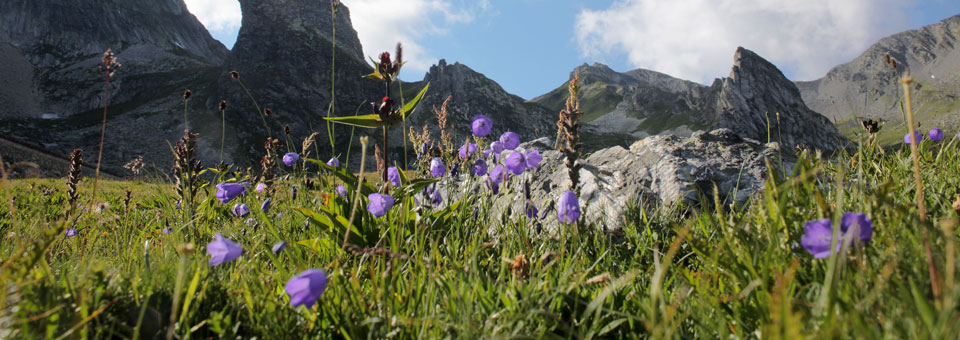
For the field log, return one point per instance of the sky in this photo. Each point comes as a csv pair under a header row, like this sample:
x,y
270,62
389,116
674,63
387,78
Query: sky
x,y
530,46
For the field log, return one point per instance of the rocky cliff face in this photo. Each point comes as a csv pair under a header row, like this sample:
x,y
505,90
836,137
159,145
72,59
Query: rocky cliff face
x,y
471,93
283,55
54,48
51,53
867,87
644,103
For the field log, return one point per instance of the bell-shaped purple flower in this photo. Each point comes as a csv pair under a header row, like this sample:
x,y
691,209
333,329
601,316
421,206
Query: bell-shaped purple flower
x,y
393,175
278,247
530,209
467,150
226,192
241,210
493,185
818,234
260,187
379,204
334,162
437,169
481,126
167,230
222,250
533,159
936,134
499,174
479,167
568,208
291,158
435,197
70,232
342,191
859,221
306,288
265,206
917,137
515,162
817,237
510,140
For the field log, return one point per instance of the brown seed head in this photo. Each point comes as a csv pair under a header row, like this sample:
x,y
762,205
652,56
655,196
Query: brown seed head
x,y
235,75
286,129
267,112
223,105
187,94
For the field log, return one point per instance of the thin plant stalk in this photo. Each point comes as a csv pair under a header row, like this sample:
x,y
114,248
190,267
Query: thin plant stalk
x,y
103,131
185,126
259,111
404,122
333,81
356,198
223,131
905,82
178,287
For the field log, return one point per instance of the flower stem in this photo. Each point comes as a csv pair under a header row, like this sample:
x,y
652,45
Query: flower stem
x,y
905,82
223,132
103,131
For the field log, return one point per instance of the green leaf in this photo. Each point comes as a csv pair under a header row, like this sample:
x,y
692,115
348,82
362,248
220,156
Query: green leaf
x,y
345,176
412,104
366,121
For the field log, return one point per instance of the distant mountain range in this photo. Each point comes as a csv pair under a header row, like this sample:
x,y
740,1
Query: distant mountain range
x,y
51,87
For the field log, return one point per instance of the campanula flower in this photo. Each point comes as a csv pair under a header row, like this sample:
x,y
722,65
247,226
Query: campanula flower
x,y
510,140
278,247
479,167
70,232
481,126
266,205
393,174
379,204
226,192
819,233
936,134
437,169
222,250
261,187
917,137
342,191
533,159
241,210
467,150
291,158
515,162
305,288
334,162
568,208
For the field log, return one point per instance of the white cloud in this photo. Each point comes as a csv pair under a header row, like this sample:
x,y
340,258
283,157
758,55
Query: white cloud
x,y
216,15
408,22
695,39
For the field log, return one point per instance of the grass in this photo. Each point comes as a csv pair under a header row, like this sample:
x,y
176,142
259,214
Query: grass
x,y
460,272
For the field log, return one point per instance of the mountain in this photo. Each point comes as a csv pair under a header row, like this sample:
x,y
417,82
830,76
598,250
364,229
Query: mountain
x,y
867,87
52,86
283,55
756,101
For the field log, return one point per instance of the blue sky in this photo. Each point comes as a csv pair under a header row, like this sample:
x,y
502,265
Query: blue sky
x,y
530,46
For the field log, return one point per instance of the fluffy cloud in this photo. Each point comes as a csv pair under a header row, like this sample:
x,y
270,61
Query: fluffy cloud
x,y
408,22
216,15
695,39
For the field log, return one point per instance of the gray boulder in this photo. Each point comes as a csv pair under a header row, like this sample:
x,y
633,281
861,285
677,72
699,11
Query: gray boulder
x,y
663,169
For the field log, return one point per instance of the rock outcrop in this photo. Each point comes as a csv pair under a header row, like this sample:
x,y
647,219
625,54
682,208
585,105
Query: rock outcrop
x,y
867,87
644,103
63,41
284,56
658,169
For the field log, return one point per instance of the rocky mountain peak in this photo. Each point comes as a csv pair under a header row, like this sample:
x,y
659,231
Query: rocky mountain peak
x,y
284,54
759,102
